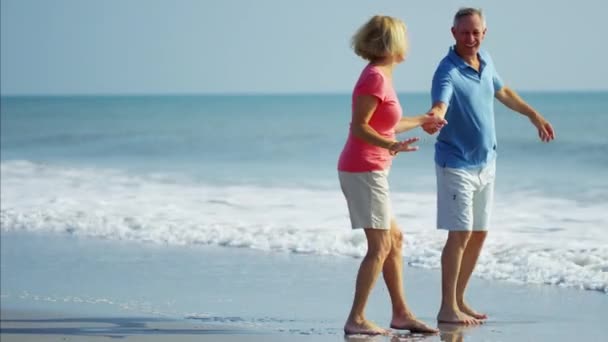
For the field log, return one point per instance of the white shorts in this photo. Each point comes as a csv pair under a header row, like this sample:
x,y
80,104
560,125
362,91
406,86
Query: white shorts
x,y
368,198
465,197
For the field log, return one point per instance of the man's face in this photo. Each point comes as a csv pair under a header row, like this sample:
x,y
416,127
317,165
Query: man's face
x,y
469,33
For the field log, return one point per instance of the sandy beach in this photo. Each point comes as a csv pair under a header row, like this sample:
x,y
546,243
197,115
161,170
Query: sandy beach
x,y
37,326
248,295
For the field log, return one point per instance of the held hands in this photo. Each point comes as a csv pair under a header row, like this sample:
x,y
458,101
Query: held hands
x,y
403,146
545,130
432,123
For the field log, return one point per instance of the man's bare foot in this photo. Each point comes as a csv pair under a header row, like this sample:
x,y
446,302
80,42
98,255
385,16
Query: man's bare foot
x,y
364,327
450,316
467,310
412,324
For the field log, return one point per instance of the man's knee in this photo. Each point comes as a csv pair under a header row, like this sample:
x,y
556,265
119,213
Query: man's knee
x,y
478,237
459,238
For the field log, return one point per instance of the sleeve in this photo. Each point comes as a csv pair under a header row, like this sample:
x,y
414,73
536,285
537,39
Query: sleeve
x,y
371,84
442,88
497,80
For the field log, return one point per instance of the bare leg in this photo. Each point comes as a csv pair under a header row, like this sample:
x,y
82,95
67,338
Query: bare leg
x,y
451,259
392,270
378,248
469,260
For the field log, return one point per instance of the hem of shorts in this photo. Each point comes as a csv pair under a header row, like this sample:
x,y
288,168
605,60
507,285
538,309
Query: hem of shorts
x,y
378,228
463,229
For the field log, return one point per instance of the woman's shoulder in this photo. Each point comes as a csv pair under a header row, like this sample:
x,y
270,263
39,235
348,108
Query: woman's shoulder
x,y
372,70
372,82
372,74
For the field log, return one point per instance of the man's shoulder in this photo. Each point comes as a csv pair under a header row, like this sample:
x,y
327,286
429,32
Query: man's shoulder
x,y
485,55
446,66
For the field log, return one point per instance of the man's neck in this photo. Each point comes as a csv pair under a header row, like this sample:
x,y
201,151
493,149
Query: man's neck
x,y
472,60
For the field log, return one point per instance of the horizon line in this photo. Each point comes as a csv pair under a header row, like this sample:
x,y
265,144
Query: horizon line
x,y
301,93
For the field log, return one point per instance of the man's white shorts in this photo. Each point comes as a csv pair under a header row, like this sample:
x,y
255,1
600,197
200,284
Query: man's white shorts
x,y
465,197
368,198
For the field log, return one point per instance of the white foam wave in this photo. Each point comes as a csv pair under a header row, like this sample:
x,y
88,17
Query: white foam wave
x,y
533,239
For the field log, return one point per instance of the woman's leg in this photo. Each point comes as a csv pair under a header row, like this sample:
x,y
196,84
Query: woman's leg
x,y
378,248
392,270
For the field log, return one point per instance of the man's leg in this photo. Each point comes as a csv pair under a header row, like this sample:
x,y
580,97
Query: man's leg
x,y
469,260
483,200
378,248
455,197
451,260
392,270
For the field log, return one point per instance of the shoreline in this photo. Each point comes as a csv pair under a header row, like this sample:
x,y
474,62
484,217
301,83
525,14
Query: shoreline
x,y
18,325
153,293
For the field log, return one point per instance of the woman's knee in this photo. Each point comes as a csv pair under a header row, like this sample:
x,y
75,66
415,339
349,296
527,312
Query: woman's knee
x,y
396,239
379,243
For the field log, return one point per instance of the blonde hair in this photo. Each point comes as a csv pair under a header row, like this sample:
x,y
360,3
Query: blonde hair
x,y
382,36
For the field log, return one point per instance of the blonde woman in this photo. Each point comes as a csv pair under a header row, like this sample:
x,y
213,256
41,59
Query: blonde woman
x,y
364,167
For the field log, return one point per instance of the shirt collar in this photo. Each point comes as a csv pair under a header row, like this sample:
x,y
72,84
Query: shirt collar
x,y
460,63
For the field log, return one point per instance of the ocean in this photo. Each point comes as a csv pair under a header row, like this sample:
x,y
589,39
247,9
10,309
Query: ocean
x,y
259,172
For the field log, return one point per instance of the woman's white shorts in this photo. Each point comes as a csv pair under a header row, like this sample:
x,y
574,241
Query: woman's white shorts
x,y
368,198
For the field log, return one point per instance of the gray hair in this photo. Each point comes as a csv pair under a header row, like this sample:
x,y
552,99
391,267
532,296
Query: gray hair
x,y
467,11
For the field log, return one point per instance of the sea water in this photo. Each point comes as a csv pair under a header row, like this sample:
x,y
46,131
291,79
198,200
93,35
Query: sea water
x,y
259,172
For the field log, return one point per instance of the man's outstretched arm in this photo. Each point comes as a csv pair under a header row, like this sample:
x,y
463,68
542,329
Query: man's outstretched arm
x,y
438,110
512,100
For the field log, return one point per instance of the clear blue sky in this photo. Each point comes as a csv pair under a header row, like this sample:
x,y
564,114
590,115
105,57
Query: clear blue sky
x,y
280,46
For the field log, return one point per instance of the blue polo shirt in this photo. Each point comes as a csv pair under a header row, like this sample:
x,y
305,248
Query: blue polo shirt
x,y
469,138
